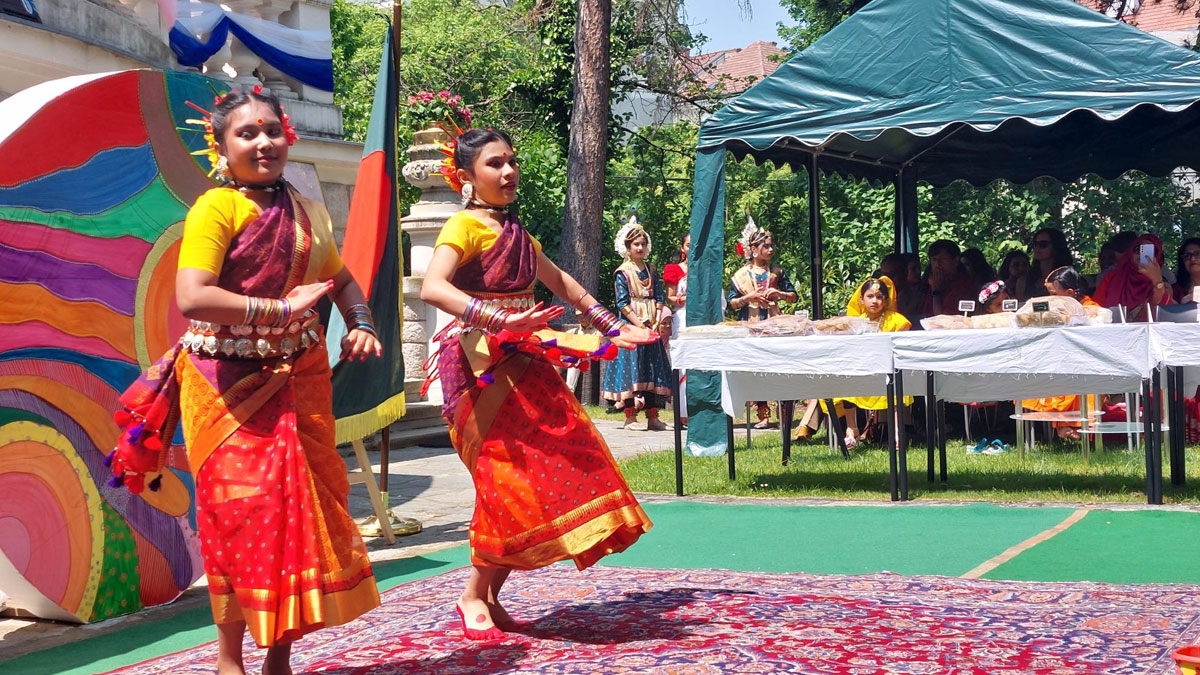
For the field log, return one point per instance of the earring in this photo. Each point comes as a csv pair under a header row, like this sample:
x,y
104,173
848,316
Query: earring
x,y
222,169
468,193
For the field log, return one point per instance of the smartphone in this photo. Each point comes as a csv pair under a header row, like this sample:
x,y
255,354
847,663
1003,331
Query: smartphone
x,y
1146,254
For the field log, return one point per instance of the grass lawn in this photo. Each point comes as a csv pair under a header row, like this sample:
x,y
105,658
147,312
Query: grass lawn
x,y
1054,473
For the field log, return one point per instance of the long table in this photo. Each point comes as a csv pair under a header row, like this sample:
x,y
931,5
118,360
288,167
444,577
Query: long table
x,y
791,368
954,365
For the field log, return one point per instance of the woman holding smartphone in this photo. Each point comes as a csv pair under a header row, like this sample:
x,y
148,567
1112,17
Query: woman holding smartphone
x,y
1136,282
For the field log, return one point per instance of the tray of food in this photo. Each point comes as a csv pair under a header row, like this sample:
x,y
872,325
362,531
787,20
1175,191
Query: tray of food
x,y
947,322
782,324
1050,311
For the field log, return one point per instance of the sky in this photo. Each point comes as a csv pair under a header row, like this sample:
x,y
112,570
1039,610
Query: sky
x,y
724,26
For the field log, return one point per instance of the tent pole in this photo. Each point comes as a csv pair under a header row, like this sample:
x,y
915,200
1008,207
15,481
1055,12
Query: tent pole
x,y
906,232
814,236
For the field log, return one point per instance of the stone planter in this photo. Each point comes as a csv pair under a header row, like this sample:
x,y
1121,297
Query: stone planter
x,y
438,202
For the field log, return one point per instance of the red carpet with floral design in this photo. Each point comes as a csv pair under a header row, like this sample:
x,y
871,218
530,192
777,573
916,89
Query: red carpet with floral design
x,y
621,620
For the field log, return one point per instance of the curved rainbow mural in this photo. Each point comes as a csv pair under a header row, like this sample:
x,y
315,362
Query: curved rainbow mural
x,y
96,177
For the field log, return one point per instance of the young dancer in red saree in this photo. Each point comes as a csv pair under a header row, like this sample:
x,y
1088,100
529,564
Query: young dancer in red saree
x,y
250,383
546,486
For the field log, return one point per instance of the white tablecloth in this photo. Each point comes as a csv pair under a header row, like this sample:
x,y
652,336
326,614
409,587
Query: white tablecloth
x,y
1178,344
1010,363
787,368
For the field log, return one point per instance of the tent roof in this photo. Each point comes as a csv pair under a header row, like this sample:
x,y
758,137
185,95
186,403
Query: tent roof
x,y
974,90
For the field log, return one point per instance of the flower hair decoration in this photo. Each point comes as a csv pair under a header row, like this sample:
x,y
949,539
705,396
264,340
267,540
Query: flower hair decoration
x,y
214,157
752,235
449,168
630,230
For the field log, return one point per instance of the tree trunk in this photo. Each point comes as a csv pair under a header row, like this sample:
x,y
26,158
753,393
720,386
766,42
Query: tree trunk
x,y
587,155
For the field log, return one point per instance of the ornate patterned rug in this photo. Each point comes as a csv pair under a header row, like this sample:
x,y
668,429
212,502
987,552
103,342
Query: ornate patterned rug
x,y
696,622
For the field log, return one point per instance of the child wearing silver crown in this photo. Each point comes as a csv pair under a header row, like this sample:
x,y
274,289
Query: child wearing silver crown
x,y
756,288
638,378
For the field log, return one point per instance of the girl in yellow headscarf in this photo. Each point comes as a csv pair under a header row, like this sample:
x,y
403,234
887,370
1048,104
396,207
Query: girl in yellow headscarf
x,y
875,300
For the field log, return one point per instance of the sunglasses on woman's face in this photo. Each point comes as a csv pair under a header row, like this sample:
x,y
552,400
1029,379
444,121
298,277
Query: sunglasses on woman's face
x,y
1041,243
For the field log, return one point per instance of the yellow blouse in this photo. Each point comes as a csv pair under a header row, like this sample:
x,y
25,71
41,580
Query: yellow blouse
x,y
222,213
470,236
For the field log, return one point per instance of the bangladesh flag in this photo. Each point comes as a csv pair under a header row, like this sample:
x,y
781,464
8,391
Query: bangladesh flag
x,y
369,395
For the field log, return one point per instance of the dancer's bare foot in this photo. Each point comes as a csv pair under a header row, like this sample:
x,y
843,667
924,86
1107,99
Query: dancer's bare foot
x,y
278,661
502,618
229,667
477,620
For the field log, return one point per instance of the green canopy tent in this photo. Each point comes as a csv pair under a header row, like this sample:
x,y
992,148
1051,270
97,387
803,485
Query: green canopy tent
x,y
938,91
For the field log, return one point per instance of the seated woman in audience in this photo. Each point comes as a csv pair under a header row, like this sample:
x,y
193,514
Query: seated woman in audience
x,y
1187,270
1134,284
1014,272
875,300
1064,281
977,267
1050,252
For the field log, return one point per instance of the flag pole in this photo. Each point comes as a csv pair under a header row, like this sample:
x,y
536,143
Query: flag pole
x,y
385,434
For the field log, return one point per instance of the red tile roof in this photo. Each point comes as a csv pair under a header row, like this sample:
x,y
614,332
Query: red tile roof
x,y
1157,15
743,67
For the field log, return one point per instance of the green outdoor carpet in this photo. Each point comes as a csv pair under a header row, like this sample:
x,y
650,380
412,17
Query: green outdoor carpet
x,y
906,539
1124,547
1111,546
192,627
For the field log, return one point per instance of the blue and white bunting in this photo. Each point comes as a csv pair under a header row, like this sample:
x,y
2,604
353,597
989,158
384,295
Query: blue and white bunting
x,y
201,29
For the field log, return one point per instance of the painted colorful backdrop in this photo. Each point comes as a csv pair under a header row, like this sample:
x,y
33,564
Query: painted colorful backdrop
x,y
96,177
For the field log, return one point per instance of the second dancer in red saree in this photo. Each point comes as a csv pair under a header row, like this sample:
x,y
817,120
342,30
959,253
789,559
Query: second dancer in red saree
x,y
546,485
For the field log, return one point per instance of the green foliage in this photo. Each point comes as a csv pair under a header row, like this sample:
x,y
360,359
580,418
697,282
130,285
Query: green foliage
x,y
512,63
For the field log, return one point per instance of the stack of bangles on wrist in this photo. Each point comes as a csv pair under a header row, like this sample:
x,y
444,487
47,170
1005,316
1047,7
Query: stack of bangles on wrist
x,y
605,321
489,316
267,312
358,317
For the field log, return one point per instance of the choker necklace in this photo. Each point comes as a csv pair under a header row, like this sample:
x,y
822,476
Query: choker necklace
x,y
244,188
484,206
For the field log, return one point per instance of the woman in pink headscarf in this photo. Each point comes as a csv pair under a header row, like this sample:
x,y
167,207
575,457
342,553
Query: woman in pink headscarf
x,y
1134,283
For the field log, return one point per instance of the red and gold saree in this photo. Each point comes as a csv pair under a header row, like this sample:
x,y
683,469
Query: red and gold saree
x,y
546,485
280,550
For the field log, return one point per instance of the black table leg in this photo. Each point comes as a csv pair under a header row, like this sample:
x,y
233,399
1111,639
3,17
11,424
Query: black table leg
x,y
1176,421
678,434
835,427
787,410
729,443
1148,435
893,471
931,403
941,431
899,439
1156,386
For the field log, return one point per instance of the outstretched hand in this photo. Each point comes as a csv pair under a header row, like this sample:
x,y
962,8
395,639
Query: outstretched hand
x,y
358,343
631,336
302,298
532,319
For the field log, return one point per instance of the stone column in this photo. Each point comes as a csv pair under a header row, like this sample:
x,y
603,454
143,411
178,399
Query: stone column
x,y
423,224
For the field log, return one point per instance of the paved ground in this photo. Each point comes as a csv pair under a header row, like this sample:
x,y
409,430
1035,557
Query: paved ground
x,y
426,483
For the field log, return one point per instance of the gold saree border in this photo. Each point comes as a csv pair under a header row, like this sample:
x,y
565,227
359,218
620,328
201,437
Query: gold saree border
x,y
578,545
323,609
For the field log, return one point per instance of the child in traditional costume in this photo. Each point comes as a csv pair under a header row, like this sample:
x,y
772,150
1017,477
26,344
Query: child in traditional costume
x,y
875,300
639,378
546,485
250,383
675,279
757,287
